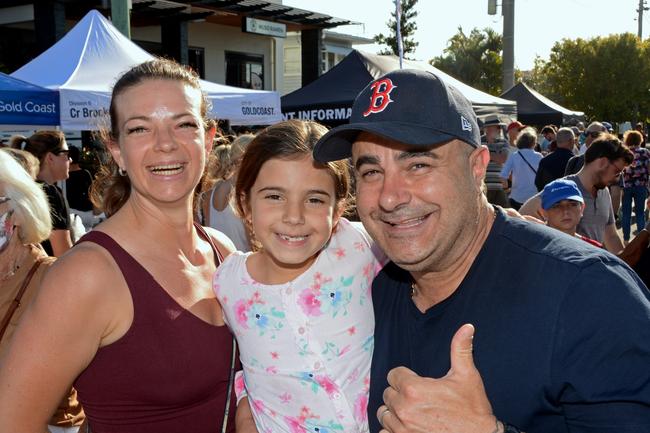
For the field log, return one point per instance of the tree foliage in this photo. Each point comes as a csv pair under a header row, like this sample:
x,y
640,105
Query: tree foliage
x,y
474,59
407,30
606,77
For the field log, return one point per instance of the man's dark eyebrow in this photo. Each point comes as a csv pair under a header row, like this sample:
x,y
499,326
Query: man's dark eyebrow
x,y
416,154
365,159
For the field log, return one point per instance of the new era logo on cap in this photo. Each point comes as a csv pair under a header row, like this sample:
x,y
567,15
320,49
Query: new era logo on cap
x,y
380,97
465,124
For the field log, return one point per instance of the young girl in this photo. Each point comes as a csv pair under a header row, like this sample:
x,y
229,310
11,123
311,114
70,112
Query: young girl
x,y
300,305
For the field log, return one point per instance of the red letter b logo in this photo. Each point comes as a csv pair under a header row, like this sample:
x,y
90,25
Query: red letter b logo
x,y
380,96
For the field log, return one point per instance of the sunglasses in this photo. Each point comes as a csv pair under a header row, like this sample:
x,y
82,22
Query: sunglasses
x,y
59,152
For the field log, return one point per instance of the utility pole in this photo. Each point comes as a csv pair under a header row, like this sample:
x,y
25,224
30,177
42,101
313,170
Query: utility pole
x,y
121,16
642,8
508,65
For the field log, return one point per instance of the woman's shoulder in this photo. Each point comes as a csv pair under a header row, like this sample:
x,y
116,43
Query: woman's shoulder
x,y
85,266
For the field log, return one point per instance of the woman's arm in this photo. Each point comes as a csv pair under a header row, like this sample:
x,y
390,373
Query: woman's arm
x,y
70,318
60,241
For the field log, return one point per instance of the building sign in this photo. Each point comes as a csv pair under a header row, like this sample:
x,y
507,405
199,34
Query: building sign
x,y
320,114
268,28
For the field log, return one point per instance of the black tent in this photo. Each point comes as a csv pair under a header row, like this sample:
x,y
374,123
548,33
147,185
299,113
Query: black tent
x,y
329,99
536,109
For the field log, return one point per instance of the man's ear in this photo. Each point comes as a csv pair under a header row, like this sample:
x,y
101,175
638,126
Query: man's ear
x,y
479,160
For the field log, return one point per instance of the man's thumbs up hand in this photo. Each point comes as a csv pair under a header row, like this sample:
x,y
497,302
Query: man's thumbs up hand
x,y
456,402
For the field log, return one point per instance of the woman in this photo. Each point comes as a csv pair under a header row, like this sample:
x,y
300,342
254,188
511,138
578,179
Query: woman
x,y
24,222
146,345
52,152
218,211
635,184
522,166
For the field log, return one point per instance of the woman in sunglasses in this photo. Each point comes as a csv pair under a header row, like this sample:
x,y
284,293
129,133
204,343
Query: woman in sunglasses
x,y
52,152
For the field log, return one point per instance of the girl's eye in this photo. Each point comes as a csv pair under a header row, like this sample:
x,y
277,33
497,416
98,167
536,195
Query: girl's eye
x,y
315,200
189,125
272,197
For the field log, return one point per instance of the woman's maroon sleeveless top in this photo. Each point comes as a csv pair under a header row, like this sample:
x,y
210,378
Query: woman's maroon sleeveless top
x,y
168,374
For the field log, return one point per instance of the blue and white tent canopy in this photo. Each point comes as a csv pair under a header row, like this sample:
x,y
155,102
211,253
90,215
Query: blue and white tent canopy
x,y
22,103
85,64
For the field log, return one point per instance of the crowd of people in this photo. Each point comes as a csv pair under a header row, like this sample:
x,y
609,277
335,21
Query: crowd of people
x,y
485,287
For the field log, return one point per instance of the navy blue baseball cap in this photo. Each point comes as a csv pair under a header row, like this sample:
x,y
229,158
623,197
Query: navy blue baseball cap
x,y
558,190
413,107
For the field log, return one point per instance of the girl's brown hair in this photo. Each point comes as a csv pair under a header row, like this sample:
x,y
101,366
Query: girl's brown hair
x,y
110,190
289,140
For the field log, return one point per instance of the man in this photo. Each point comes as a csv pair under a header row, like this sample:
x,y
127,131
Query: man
x,y
513,130
605,159
562,208
548,132
499,151
562,330
552,166
594,130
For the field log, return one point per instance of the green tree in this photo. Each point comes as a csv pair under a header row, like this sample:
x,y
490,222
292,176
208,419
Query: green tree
x,y
407,30
606,77
474,59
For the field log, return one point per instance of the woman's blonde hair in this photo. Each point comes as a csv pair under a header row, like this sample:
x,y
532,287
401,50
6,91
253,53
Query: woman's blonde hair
x,y
28,201
28,161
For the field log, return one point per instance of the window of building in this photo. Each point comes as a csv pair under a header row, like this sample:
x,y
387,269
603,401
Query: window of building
x,y
245,70
195,55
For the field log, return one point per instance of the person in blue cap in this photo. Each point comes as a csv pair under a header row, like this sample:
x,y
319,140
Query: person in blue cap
x,y
482,321
562,208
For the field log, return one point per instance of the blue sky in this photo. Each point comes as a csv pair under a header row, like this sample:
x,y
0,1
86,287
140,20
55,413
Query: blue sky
x,y
538,23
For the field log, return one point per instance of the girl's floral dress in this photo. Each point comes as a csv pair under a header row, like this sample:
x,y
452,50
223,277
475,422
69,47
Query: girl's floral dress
x,y
306,345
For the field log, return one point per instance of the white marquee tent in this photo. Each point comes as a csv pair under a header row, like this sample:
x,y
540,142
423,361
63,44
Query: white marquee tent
x,y
85,64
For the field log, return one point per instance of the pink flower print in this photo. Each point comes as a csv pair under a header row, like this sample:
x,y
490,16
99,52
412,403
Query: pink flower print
x,y
285,398
241,308
353,376
360,246
258,405
340,253
352,330
367,270
345,350
319,280
240,386
361,408
296,424
309,302
272,369
327,384
275,355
